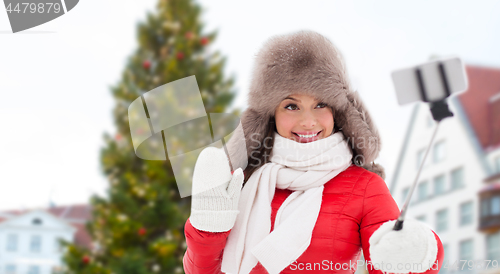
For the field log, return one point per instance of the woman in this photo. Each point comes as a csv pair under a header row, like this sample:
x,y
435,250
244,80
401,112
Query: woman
x,y
312,198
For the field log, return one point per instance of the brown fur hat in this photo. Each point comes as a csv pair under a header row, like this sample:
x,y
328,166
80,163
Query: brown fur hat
x,y
304,62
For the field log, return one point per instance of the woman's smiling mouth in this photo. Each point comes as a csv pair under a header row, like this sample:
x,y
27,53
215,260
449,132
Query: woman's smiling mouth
x,y
305,137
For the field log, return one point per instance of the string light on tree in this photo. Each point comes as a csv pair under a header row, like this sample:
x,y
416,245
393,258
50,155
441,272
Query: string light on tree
x,y
189,35
163,51
171,40
122,217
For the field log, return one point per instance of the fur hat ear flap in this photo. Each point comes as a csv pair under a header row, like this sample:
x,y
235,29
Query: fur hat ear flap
x,y
361,132
248,136
376,168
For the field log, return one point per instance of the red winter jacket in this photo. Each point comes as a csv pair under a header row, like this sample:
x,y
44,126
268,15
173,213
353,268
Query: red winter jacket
x,y
355,203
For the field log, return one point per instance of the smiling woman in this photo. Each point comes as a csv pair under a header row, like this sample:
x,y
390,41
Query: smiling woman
x,y
310,192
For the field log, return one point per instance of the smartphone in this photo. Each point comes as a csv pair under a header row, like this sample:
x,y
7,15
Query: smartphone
x,y
431,81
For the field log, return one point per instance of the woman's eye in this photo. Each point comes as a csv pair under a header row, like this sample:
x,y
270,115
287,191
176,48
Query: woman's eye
x,y
323,105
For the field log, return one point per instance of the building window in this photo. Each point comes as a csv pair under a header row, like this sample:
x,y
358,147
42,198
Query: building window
x,y
493,246
466,250
430,121
422,191
495,206
34,269
442,220
404,194
457,178
439,152
439,185
10,269
57,270
420,157
37,221
57,246
36,243
421,218
466,213
445,259
11,242
484,207
446,253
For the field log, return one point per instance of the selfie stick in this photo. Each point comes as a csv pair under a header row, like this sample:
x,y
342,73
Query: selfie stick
x,y
439,111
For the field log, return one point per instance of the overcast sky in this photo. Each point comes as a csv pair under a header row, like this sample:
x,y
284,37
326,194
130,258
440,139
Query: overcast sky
x,y
55,78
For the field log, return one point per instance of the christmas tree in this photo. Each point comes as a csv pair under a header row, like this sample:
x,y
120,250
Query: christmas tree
x,y
138,227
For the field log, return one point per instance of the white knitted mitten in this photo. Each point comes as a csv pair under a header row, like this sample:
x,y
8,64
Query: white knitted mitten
x,y
214,203
411,249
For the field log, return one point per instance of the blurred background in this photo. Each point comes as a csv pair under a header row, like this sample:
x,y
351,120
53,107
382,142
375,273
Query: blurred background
x,y
76,199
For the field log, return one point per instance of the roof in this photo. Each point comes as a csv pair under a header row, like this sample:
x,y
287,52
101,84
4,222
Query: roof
x,y
75,215
478,105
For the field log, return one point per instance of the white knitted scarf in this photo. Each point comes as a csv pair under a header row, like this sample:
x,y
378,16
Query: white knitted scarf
x,y
301,167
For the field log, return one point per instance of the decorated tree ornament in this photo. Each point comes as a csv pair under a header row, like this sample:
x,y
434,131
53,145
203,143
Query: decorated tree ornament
x,y
146,64
204,40
118,137
156,268
180,55
142,231
85,259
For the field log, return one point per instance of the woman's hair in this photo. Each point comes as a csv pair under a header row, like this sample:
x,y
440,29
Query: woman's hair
x,y
262,154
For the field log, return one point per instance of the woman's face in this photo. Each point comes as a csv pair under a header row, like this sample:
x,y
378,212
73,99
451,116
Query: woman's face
x,y
303,119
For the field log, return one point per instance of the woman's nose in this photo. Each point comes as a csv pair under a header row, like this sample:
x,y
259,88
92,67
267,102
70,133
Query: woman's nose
x,y
308,120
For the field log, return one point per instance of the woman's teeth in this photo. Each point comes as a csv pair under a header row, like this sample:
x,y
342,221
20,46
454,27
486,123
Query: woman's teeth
x,y
307,136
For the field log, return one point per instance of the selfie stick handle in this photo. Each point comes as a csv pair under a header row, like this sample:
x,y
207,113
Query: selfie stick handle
x,y
439,110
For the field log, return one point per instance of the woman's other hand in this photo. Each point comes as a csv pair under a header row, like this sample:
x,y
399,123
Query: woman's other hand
x,y
412,249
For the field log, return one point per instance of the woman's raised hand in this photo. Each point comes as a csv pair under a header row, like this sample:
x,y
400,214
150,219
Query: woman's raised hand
x,y
215,192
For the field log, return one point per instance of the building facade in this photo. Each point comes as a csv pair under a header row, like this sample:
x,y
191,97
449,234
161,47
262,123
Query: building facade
x,y
29,239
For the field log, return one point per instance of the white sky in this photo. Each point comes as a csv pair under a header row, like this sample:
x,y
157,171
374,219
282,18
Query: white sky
x,y
55,78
